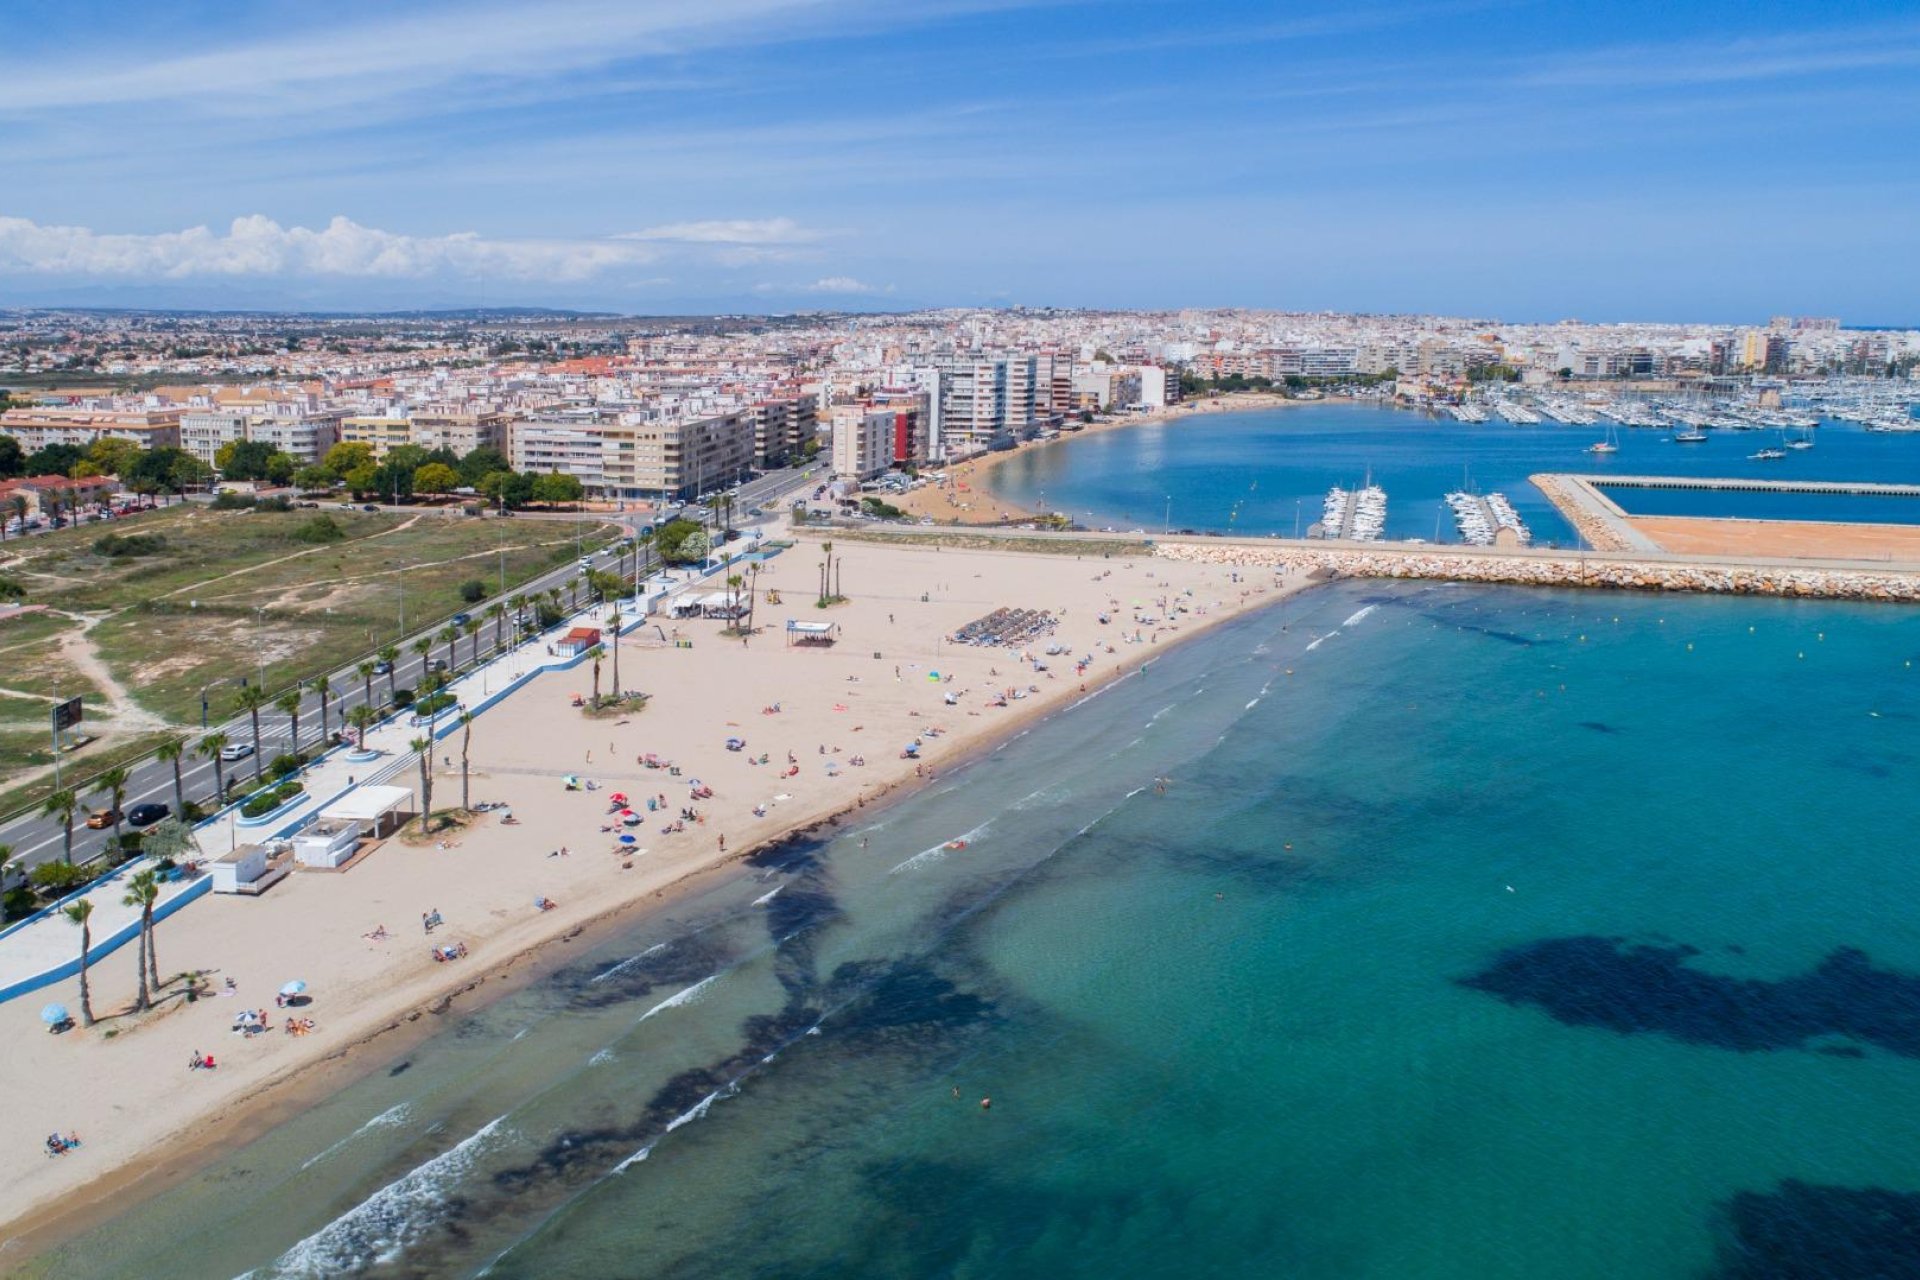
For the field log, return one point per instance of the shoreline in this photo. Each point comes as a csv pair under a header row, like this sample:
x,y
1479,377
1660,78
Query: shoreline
x,y
400,1021
975,475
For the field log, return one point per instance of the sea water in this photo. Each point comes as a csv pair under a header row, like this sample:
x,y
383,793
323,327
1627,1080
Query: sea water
x,y
1390,931
1268,471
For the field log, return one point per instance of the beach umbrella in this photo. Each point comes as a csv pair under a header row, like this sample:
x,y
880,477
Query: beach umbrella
x,y
571,781
294,988
630,818
55,1014
629,840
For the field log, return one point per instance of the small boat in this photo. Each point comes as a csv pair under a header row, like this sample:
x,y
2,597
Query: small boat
x,y
1693,436
1767,455
1609,445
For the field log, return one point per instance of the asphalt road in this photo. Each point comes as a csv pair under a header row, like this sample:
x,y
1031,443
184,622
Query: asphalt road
x,y
35,839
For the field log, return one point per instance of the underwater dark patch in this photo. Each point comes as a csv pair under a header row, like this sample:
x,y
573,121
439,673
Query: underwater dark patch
x,y
799,906
1640,988
1807,1232
801,851
602,984
1598,726
907,994
399,1067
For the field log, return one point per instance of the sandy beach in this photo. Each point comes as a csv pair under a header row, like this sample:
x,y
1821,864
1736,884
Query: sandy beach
x,y
824,731
966,496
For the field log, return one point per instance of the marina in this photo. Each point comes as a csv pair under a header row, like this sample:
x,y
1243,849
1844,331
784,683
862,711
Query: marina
x,y
1355,515
1482,520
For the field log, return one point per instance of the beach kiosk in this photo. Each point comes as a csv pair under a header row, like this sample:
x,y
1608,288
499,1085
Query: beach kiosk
x,y
365,811
577,641
811,634
240,870
326,842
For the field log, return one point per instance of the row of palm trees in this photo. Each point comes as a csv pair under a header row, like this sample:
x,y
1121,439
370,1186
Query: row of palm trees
x,y
143,891
64,805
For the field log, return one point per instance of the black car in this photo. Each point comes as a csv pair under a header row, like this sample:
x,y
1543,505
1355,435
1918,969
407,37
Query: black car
x,y
369,507
145,815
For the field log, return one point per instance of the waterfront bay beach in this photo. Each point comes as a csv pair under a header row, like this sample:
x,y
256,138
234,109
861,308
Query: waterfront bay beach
x,y
821,731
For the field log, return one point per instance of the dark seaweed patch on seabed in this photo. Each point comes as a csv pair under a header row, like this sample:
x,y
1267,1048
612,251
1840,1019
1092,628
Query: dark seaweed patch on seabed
x,y
1807,1232
1640,988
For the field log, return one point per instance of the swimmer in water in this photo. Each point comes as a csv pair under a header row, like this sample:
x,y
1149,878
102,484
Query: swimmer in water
x,y
986,1104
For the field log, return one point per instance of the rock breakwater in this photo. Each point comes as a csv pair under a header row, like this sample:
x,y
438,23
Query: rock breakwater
x,y
1561,570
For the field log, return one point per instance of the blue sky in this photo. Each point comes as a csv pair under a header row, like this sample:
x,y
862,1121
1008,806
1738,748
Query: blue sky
x,y
1684,160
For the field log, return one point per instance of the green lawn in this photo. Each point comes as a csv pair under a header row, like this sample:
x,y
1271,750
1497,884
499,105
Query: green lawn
x,y
237,593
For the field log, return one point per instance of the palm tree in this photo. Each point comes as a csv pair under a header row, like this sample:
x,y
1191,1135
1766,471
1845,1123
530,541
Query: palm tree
x,y
19,505
734,583
518,604
425,747
753,592
79,913
597,653
472,628
573,589
171,751
826,570
61,805
498,612
324,688
132,899
366,682
613,626
143,890
251,699
362,718
113,785
449,636
390,654
423,646
288,704
209,749
466,741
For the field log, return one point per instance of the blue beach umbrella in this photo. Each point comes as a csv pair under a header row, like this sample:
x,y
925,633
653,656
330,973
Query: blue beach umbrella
x,y
629,840
55,1014
294,988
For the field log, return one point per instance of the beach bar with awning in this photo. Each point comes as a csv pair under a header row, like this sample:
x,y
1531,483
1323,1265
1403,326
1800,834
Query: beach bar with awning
x,y
811,633
372,809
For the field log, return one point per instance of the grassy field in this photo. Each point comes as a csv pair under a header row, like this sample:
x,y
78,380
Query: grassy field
x,y
240,592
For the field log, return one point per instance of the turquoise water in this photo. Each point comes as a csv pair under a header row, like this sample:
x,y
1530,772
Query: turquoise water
x,y
1730,504
1473,933
1267,471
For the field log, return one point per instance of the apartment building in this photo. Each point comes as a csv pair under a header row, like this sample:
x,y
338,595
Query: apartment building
x,y
306,437
981,399
677,458
576,449
863,440
383,433
459,428
784,428
36,428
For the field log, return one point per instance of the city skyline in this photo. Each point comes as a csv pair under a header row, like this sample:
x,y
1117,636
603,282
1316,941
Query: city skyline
x,y
1526,161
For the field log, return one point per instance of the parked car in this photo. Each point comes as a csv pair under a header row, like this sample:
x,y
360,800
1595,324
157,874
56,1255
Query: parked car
x,y
145,815
101,819
369,507
236,751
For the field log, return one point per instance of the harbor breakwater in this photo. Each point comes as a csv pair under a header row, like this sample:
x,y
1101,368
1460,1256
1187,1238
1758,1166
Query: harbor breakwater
x,y
1560,570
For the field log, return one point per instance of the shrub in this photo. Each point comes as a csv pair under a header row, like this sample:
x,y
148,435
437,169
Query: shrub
x,y
549,615
268,799
233,502
284,764
435,704
403,697
18,902
56,878
278,503
320,529
473,591
114,547
11,590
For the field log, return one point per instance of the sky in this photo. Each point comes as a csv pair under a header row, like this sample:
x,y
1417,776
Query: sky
x,y
1686,160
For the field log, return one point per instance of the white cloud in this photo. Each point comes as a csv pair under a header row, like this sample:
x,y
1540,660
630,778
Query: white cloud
x,y
258,246
739,231
844,284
